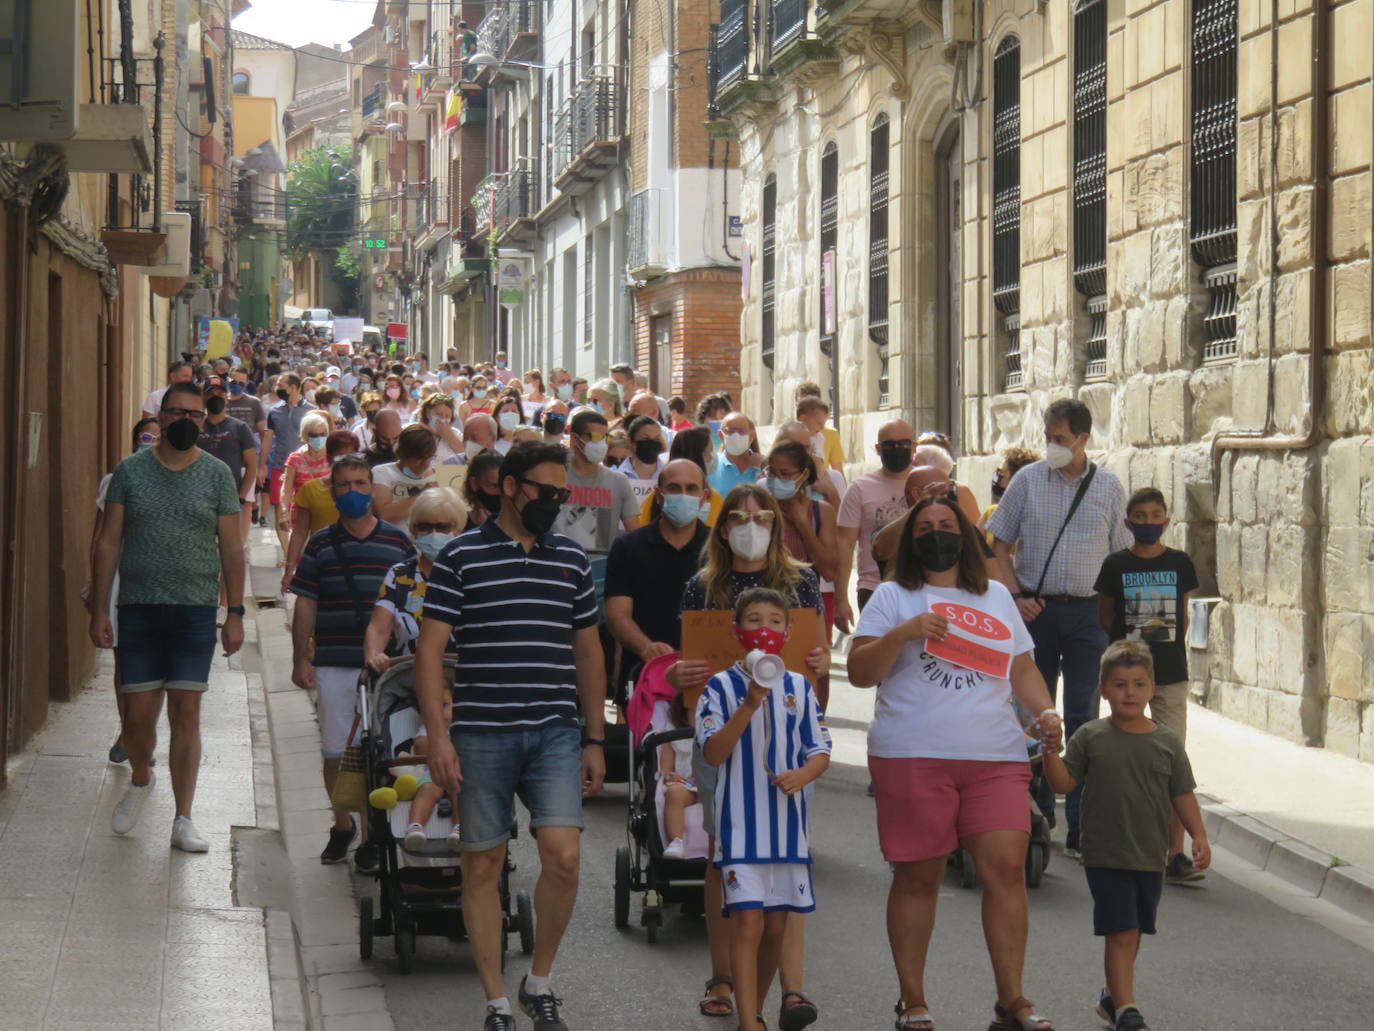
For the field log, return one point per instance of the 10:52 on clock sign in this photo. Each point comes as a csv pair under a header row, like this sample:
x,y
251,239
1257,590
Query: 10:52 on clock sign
x,y
976,640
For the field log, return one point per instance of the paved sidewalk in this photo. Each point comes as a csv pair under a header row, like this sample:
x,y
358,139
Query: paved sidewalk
x,y
106,931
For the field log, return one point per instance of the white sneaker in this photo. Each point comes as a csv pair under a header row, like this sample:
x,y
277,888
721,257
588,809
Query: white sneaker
x,y
675,850
128,808
415,839
184,836
455,843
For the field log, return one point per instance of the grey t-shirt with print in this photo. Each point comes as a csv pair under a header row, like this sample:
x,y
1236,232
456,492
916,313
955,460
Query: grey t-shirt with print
x,y
594,510
169,554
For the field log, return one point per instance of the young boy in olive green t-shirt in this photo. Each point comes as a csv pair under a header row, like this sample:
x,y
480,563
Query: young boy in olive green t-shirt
x,y
1135,775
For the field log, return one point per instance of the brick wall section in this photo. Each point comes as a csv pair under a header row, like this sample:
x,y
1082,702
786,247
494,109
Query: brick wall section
x,y
705,308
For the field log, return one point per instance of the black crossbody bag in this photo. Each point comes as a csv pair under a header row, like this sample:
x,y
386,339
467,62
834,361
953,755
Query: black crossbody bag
x,y
336,541
1077,500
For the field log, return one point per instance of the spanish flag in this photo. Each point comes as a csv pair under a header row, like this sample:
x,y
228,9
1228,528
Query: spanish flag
x,y
453,108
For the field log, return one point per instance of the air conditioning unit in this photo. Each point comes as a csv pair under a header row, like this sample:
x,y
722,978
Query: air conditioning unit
x,y
176,251
39,70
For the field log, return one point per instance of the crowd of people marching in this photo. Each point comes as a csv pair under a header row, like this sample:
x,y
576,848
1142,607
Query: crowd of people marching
x,y
551,530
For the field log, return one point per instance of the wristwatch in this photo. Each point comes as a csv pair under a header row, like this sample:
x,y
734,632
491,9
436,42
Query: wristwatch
x,y
235,610
593,741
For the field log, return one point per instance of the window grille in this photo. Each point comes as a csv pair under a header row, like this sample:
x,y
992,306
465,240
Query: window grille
x,y
877,250
770,270
1006,200
1213,170
1090,175
829,240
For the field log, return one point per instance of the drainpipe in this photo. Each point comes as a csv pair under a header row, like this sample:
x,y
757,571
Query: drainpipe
x,y
20,261
1259,439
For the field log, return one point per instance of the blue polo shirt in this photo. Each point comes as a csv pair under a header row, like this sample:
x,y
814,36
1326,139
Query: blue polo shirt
x,y
726,476
513,615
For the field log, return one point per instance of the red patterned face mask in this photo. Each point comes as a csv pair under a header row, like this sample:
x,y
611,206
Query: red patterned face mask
x,y
764,639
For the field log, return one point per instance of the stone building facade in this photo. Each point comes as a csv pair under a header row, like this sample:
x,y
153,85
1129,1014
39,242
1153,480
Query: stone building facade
x,y
959,212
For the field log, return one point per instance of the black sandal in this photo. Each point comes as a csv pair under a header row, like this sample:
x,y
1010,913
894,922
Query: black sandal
x,y
914,1021
1007,1019
728,1001
800,1014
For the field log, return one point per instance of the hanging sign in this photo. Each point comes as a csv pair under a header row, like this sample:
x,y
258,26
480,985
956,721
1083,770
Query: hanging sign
x,y
511,282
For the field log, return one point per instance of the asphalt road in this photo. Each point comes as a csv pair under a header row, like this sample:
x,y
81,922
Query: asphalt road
x,y
1225,958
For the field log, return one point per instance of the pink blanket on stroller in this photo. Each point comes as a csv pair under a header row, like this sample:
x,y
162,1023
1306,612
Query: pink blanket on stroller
x,y
651,687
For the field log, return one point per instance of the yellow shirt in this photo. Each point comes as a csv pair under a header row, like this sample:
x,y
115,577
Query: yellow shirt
x,y
314,497
714,499
834,452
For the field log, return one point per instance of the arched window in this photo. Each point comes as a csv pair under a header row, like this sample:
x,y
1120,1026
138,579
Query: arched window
x,y
1213,170
877,249
829,278
1006,201
240,83
1090,176
767,335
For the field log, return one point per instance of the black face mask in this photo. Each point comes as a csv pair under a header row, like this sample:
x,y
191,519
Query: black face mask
x,y
215,405
939,550
538,516
182,434
386,452
554,424
648,450
285,395
895,457
997,489
491,501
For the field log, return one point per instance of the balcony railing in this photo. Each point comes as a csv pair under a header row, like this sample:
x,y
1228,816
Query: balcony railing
x,y
484,204
593,115
508,24
374,101
646,247
730,45
789,21
517,196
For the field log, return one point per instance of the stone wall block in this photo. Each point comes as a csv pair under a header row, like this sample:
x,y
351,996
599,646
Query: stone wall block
x,y
1252,322
1250,394
1341,726
1291,572
1210,389
1345,656
1283,716
1294,77
1295,145
1350,401
1352,144
1098,397
1245,659
1192,499
1350,217
1170,260
1167,114
1295,228
1293,316
1282,655
1220,645
1244,481
1342,475
1291,409
1351,311
1254,562
1178,325
1133,280
1169,408
1228,560
1136,405
1352,27
1253,70
1348,560
1252,158
1366,515
1252,240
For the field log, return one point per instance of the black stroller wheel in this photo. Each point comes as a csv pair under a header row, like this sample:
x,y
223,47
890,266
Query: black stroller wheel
x,y
405,946
1035,866
365,928
622,887
968,873
524,915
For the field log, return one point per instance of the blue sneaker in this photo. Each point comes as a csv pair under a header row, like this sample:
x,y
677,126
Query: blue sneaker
x,y
1106,1009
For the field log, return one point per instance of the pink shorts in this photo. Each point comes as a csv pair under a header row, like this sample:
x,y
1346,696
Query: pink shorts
x,y
927,806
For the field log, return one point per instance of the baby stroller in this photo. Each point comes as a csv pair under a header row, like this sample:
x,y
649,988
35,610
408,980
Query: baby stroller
x,y
1038,849
640,865
420,892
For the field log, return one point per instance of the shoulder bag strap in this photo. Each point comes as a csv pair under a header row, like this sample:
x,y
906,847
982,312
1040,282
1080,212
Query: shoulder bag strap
x,y
1077,500
336,539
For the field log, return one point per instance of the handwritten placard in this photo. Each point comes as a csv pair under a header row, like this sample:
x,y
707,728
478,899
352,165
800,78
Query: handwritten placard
x,y
976,640
708,635
451,476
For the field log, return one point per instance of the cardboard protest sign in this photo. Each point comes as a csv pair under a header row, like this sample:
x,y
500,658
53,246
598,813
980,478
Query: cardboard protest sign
x,y
708,635
976,640
452,476
641,489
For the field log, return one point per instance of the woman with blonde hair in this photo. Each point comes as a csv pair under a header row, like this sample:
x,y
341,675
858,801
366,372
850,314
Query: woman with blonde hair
x,y
310,461
604,397
746,549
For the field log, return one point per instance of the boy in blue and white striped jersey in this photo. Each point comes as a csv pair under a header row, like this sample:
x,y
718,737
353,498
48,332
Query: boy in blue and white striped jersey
x,y
770,743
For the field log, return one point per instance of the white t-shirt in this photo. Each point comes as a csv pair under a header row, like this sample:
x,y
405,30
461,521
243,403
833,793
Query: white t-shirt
x,y
390,483
153,402
930,708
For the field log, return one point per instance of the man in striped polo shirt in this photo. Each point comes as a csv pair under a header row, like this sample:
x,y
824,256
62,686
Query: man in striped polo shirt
x,y
336,585
520,604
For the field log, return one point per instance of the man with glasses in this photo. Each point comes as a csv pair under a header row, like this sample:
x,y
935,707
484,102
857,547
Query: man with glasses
x,y
231,441
519,603
172,524
602,501
871,502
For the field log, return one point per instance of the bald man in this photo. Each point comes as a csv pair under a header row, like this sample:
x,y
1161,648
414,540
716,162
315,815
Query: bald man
x,y
479,434
870,503
923,480
386,430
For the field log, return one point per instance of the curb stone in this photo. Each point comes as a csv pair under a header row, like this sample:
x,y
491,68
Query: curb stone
x,y
342,993
1311,871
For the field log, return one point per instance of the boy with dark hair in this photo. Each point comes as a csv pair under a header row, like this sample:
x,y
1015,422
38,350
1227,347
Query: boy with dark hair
x,y
1135,774
1142,595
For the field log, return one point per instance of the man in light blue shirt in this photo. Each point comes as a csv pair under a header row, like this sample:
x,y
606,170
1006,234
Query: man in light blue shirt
x,y
738,460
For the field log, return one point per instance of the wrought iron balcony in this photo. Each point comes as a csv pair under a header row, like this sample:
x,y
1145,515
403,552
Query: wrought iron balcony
x,y
374,102
587,133
484,205
729,46
510,31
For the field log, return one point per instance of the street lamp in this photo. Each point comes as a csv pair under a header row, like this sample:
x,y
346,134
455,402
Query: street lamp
x,y
398,106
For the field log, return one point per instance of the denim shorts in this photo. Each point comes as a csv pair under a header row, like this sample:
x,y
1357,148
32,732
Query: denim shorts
x,y
165,647
1124,900
542,765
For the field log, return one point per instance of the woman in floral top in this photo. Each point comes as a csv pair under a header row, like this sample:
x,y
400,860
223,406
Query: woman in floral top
x,y
308,462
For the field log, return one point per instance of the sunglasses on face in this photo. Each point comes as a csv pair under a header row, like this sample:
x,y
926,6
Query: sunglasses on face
x,y
763,517
423,528
594,436
547,492
185,413
148,438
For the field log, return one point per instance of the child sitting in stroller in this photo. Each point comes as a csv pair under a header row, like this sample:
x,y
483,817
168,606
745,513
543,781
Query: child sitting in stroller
x,y
427,795
679,783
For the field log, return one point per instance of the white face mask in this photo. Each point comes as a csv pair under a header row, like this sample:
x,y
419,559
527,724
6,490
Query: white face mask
x,y
595,453
1058,456
750,541
472,449
508,420
736,444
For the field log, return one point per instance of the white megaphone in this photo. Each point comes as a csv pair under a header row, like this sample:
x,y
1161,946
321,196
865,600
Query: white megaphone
x,y
765,669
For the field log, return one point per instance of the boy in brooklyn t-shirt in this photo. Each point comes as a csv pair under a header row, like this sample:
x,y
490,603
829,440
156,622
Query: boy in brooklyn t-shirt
x,y
1143,596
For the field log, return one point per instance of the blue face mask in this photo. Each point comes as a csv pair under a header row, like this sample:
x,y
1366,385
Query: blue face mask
x,y
353,504
430,544
714,426
235,388
597,407
681,509
782,490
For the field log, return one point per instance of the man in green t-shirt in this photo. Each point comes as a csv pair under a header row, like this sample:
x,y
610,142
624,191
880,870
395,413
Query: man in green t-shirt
x,y
171,525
